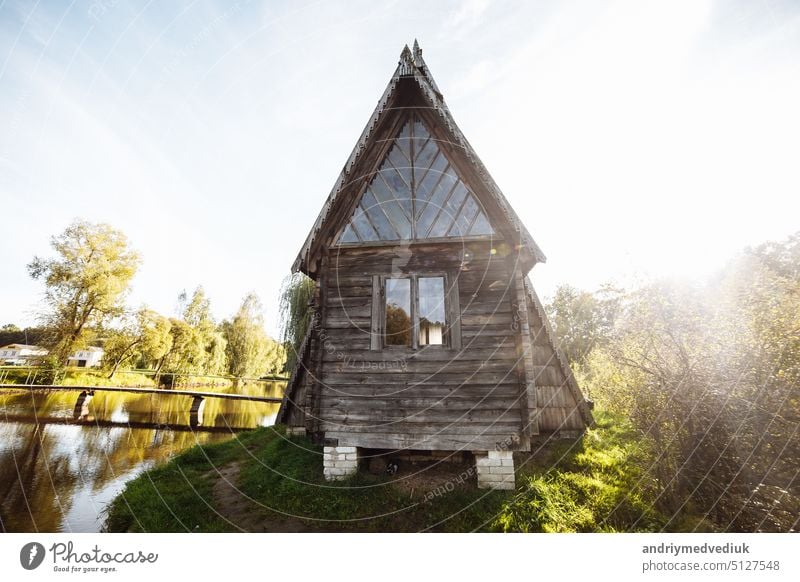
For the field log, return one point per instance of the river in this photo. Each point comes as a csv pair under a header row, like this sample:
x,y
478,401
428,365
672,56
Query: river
x,y
58,474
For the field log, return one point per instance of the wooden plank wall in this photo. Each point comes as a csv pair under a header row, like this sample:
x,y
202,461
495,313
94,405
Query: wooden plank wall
x,y
431,398
558,410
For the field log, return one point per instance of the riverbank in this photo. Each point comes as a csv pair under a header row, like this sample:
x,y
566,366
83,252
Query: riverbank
x,y
263,480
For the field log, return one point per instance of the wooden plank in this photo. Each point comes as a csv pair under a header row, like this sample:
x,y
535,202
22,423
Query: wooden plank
x,y
429,416
350,312
410,372
468,392
417,378
431,354
438,442
402,402
526,349
424,428
375,323
454,314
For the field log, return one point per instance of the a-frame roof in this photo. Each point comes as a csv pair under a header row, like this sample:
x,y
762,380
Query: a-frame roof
x,y
411,76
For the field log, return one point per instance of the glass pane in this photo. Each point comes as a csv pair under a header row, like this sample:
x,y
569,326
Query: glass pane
x,y
464,218
383,194
362,226
420,131
399,160
431,311
378,217
430,175
398,312
425,185
449,212
403,141
348,236
396,179
481,226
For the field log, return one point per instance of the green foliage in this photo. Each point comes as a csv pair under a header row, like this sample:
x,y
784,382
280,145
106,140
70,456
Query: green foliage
x,y
85,283
141,337
251,352
712,376
195,344
598,483
12,334
156,339
582,320
297,295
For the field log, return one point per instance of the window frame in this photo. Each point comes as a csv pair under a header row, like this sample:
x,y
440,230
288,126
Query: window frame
x,y
451,335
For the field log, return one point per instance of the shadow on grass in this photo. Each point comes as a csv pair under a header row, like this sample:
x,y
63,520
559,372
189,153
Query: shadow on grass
x,y
599,482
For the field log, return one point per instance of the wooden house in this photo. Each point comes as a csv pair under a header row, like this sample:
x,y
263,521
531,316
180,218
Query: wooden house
x,y
427,333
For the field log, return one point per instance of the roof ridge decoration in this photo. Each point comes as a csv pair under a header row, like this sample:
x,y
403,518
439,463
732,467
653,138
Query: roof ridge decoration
x,y
412,65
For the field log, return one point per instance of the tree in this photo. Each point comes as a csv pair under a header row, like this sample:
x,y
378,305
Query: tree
x,y
581,320
251,352
195,345
86,282
710,375
185,352
156,337
141,336
296,310
12,334
210,358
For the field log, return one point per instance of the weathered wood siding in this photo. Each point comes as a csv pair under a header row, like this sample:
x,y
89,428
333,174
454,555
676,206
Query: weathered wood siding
x,y
434,397
558,407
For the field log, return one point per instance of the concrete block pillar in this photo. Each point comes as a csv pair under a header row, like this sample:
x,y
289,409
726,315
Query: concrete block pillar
x,y
339,462
295,431
495,469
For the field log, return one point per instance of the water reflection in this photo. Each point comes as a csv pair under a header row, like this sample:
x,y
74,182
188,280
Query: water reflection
x,y
58,473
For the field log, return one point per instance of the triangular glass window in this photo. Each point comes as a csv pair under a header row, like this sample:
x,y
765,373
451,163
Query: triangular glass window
x,y
415,194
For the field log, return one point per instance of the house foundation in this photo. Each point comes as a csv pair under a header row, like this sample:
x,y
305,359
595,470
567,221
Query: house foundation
x,y
339,462
295,431
495,469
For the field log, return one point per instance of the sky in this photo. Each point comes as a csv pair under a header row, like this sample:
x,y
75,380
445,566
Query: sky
x,y
635,139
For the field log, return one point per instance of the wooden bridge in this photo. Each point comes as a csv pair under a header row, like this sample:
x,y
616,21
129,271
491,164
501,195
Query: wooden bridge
x,y
81,410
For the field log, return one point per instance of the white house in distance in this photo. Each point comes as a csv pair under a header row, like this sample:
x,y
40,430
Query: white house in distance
x,y
21,354
86,358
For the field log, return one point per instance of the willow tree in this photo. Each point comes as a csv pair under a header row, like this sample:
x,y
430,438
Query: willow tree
x,y
86,283
297,294
141,336
251,352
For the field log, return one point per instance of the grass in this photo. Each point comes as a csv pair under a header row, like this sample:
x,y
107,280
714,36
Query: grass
x,y
84,377
596,483
284,476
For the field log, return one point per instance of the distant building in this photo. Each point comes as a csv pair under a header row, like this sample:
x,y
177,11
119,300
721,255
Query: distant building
x,y
21,354
86,358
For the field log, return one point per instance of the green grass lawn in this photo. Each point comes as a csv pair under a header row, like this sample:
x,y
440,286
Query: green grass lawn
x,y
596,483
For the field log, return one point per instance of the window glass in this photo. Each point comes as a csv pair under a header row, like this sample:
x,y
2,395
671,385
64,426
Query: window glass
x,y
481,226
377,216
398,312
431,311
415,174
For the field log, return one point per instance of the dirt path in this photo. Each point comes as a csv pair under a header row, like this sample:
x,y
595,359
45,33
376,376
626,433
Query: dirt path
x,y
243,513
